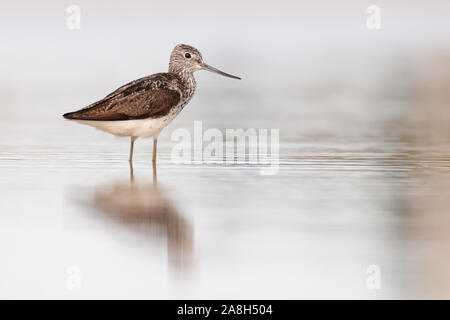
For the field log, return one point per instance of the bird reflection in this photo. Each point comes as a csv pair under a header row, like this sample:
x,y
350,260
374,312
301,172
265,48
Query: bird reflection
x,y
145,208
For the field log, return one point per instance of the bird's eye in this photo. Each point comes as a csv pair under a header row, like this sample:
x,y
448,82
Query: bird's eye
x,y
187,55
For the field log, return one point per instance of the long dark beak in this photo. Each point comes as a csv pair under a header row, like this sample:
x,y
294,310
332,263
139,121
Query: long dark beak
x,y
212,69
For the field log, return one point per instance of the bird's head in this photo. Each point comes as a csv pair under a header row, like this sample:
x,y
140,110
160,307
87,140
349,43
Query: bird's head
x,y
187,59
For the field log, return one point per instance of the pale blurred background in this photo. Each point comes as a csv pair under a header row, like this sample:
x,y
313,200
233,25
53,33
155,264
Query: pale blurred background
x,y
364,152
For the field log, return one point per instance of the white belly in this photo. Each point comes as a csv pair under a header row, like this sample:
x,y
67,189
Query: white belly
x,y
131,128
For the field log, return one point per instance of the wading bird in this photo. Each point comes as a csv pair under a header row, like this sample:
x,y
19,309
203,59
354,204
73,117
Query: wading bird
x,y
142,108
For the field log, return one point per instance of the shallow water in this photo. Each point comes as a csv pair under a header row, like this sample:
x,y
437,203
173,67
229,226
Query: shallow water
x,y
366,195
364,158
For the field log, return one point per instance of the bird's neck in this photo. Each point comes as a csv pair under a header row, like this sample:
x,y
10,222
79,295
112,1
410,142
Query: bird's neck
x,y
182,73
186,76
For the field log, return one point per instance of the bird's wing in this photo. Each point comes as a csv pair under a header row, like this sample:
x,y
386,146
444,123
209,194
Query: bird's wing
x,y
149,97
129,84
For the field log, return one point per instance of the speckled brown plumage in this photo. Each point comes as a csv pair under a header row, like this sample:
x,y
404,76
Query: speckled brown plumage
x,y
149,97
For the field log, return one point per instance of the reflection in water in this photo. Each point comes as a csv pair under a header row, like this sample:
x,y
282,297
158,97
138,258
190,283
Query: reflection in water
x,y
145,208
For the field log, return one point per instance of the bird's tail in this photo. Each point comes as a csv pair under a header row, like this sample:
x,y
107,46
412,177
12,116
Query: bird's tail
x,y
69,115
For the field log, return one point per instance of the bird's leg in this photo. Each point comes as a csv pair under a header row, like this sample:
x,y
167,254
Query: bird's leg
x,y
131,172
154,174
131,149
155,143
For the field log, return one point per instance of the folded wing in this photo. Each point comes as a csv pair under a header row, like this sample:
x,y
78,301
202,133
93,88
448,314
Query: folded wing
x,y
149,97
